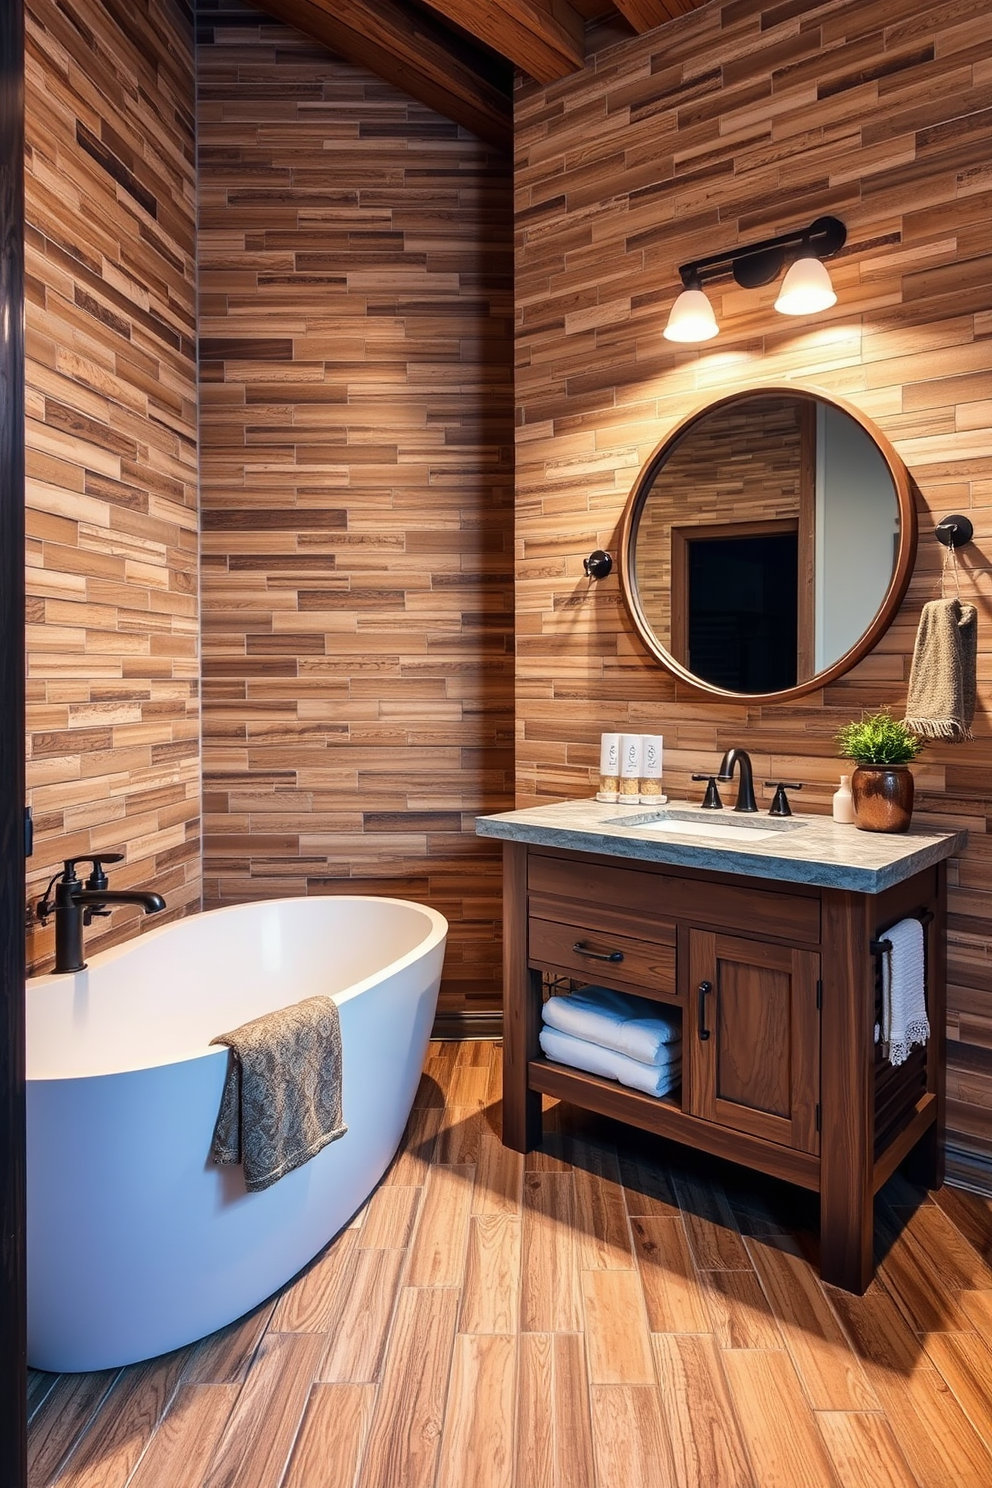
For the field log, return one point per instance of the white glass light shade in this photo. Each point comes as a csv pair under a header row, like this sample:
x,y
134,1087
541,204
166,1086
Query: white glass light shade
x,y
806,289
692,318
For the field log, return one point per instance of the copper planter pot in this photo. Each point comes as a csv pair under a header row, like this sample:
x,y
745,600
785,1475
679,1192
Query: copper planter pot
x,y
883,797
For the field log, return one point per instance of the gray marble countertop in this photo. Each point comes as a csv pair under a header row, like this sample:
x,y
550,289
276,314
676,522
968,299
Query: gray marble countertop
x,y
795,849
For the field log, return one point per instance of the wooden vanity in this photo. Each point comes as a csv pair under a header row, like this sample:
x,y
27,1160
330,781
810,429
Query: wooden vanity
x,y
778,986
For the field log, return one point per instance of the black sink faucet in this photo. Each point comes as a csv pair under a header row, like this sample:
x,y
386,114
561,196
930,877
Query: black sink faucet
x,y
745,787
75,904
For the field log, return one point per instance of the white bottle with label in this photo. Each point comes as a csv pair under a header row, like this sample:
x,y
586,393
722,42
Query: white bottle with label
x,y
844,802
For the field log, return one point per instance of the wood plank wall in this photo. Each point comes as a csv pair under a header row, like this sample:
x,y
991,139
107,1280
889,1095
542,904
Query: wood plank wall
x,y
356,427
113,753
737,121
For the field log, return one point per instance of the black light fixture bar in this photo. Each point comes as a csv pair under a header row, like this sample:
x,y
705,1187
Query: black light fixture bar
x,y
755,264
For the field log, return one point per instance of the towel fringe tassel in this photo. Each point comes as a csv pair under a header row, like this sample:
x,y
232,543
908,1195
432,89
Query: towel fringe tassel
x,y
937,728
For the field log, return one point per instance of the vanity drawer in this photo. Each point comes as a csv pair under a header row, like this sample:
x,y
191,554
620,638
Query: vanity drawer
x,y
596,956
659,897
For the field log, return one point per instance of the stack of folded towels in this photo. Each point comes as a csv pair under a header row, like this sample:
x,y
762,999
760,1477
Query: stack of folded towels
x,y
624,1038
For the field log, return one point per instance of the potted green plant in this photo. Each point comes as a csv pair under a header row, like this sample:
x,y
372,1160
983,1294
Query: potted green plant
x,y
882,784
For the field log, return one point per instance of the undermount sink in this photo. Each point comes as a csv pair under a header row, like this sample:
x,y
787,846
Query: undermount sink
x,y
688,823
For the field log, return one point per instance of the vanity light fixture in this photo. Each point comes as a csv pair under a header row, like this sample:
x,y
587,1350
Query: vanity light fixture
x,y
805,289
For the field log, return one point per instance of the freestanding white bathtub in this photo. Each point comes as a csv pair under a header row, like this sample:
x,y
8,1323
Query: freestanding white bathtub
x,y
137,1241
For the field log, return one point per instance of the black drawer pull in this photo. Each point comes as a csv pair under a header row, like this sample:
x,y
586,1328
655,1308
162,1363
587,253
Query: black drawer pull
x,y
581,949
704,987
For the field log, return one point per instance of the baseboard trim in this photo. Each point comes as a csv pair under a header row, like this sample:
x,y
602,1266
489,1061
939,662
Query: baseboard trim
x,y
455,1025
969,1170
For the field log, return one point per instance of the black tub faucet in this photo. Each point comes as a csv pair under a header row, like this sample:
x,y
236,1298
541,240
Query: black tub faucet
x,y
76,903
745,787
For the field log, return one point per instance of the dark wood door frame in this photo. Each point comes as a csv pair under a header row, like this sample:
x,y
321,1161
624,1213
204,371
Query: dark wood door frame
x,y
13,1325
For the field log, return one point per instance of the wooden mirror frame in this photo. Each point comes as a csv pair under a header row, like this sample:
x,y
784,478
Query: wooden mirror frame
x,y
894,595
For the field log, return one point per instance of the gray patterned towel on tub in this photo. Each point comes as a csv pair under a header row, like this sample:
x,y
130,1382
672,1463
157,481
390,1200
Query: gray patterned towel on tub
x,y
281,1101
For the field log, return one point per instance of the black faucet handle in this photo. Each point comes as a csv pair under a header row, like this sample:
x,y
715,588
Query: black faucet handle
x,y
98,879
780,805
711,801
98,860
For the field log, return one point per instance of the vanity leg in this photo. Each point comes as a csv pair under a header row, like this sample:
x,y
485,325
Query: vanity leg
x,y
522,1123
847,1136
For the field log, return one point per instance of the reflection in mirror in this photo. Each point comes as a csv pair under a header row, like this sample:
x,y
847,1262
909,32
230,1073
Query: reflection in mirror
x,y
763,541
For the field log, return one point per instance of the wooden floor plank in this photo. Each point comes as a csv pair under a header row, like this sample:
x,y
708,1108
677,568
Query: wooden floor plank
x,y
498,1177
617,1338
828,1367
673,1291
477,1446
549,1298
714,1238
740,1314
356,1338
964,1361
181,1449
412,1162
630,1446
67,1409
707,1446
331,1440
647,1187
409,1413
390,1218
977,1307
778,1427
933,1431
534,1464
460,1135
309,1302
224,1357
944,1247
863,1450
915,1282
258,1438
491,1298
573,1421
971,1214
440,1241
600,1213
110,1447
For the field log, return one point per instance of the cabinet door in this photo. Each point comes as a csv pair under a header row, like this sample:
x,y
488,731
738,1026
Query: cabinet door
x,y
753,1036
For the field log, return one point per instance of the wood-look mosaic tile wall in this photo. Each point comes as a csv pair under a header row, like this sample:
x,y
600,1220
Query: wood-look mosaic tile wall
x,y
356,426
112,635
735,122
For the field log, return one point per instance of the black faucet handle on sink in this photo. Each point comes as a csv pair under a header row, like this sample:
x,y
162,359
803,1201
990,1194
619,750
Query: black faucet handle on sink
x,y
780,805
711,801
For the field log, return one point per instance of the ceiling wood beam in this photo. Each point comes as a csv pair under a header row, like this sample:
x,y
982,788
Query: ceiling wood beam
x,y
644,15
546,38
400,44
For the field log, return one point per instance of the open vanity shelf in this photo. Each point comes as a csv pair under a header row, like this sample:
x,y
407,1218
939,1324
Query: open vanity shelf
x,y
777,983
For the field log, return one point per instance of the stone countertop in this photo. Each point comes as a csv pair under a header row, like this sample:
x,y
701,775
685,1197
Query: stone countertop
x,y
799,849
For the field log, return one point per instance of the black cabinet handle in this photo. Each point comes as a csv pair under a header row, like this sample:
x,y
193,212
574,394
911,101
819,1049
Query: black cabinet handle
x,y
704,987
581,949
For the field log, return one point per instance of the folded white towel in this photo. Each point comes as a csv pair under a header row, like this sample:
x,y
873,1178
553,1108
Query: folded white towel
x,y
631,1025
904,1009
653,1079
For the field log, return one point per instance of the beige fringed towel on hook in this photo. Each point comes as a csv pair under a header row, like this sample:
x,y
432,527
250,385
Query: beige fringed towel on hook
x,y
941,702
281,1101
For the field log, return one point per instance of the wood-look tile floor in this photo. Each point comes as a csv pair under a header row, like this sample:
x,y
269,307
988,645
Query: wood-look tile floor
x,y
610,1312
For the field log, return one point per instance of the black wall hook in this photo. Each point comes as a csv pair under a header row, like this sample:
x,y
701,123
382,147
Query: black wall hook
x,y
954,532
598,564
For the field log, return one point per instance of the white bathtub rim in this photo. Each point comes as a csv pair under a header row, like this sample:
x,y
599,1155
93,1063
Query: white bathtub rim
x,y
438,932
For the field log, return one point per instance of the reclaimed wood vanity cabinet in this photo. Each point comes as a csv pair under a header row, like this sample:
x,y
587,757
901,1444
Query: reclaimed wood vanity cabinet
x,y
778,983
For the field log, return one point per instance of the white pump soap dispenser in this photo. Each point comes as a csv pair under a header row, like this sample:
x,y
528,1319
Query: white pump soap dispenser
x,y
844,802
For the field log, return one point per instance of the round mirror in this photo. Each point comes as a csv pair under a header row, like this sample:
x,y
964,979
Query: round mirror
x,y
767,544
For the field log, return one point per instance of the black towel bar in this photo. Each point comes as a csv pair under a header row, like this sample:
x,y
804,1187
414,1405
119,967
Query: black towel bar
x,y
876,947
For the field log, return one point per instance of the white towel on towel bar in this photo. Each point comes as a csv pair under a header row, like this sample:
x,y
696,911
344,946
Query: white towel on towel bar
x,y
904,1008
633,1026
653,1079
